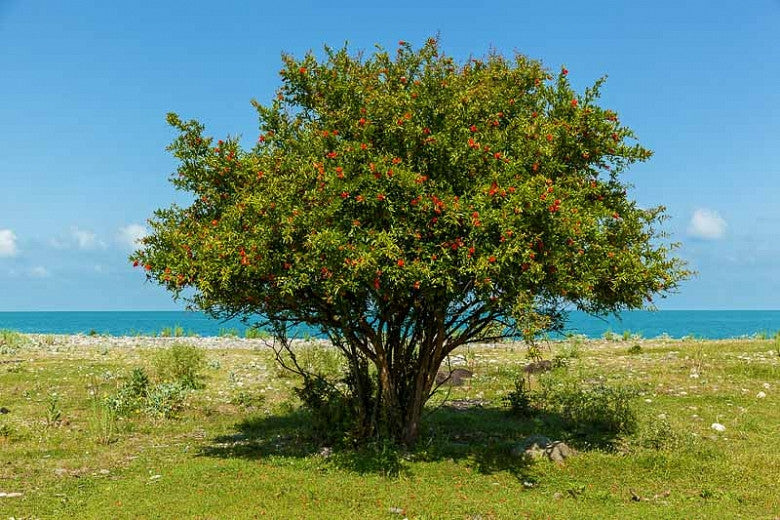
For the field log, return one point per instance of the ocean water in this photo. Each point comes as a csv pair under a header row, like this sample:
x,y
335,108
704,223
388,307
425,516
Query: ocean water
x,y
677,324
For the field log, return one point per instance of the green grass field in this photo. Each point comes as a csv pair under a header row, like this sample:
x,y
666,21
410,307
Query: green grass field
x,y
241,447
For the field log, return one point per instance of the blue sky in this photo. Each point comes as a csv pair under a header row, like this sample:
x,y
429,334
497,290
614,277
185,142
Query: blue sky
x,y
85,86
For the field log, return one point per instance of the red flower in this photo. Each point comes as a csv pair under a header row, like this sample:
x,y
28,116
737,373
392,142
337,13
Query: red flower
x,y
332,155
344,194
135,264
362,121
416,284
492,259
260,174
381,196
214,222
376,283
426,130
302,70
401,42
400,262
473,128
574,102
148,267
564,71
549,137
615,216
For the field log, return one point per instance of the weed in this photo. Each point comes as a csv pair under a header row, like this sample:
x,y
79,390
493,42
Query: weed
x,y
11,341
659,435
248,400
589,407
53,411
228,333
256,333
519,400
609,335
180,364
634,349
165,400
568,352
103,416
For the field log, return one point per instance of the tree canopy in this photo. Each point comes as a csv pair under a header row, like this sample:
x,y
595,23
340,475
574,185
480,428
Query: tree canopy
x,y
406,204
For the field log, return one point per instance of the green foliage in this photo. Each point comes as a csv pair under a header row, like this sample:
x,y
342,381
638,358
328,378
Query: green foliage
x,y
53,410
634,349
568,352
398,198
180,364
165,400
228,333
256,333
11,341
660,435
588,407
520,400
131,395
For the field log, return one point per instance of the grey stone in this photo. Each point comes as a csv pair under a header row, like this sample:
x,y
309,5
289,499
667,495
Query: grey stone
x,y
455,377
326,452
558,451
537,367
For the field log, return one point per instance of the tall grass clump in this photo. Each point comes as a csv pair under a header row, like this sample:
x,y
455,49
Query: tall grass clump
x,y
181,364
11,341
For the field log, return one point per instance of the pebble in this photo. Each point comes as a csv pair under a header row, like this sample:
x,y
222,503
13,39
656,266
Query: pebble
x,y
9,495
718,427
761,395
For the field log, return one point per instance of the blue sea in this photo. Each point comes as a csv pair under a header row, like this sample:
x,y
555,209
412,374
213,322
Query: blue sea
x,y
647,324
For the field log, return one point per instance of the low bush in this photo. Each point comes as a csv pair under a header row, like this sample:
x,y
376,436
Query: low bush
x,y
180,364
589,407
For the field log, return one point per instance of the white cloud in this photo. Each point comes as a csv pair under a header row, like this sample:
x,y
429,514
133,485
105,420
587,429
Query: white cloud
x,y
7,243
78,238
706,224
131,235
39,272
85,239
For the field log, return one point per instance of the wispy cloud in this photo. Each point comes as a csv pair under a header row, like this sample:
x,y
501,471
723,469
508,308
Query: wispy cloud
x,y
79,239
38,272
706,224
131,235
8,243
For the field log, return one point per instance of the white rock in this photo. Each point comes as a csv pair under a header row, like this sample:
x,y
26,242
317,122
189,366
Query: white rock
x,y
718,427
9,495
766,385
761,395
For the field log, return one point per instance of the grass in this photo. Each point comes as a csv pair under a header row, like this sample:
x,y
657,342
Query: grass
x,y
240,445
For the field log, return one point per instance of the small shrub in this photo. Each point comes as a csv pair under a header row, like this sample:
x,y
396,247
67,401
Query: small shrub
x,y
256,333
181,364
597,408
659,435
634,349
330,411
248,399
165,400
6,432
519,400
609,335
131,395
568,352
